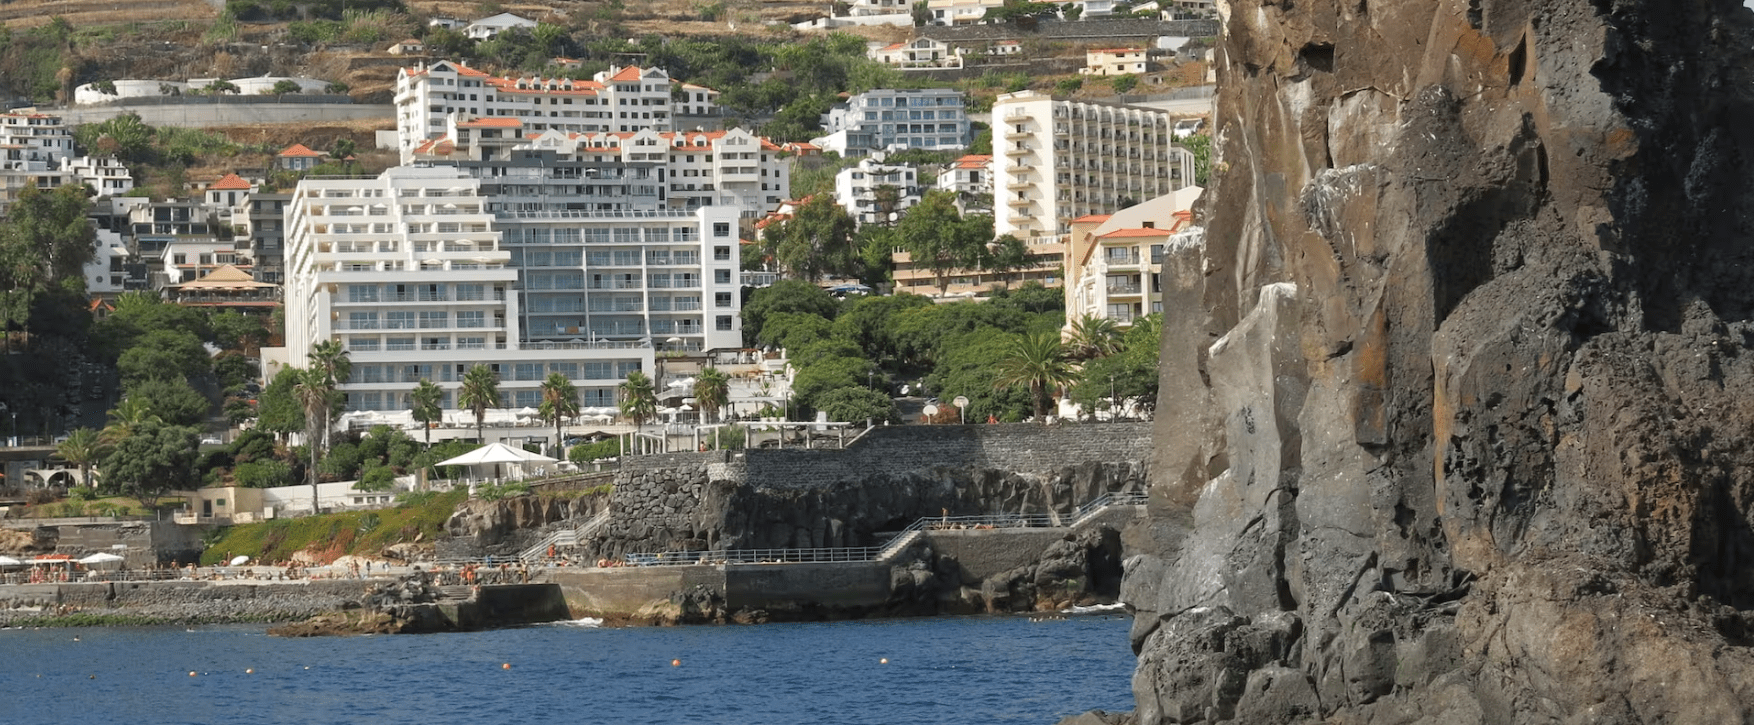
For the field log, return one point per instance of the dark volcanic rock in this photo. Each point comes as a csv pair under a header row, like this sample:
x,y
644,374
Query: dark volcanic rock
x,y
1456,427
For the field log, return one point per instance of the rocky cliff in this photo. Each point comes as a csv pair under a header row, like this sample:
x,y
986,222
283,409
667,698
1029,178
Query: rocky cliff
x,y
1456,410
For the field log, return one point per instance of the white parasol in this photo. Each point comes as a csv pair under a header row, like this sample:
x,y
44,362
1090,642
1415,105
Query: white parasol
x,y
238,560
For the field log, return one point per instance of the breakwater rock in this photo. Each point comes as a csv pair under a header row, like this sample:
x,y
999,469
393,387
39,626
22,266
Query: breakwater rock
x,y
174,602
1456,428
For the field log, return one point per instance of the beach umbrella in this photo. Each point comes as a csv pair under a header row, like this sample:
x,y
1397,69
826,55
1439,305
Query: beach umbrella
x,y
100,558
9,561
238,560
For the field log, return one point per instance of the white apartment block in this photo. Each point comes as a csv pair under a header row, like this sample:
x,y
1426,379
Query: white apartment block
x,y
931,118
105,175
1055,161
34,141
875,192
1115,261
419,279
644,170
620,99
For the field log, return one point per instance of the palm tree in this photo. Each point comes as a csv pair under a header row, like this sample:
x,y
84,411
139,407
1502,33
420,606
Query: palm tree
x,y
125,417
82,448
560,400
639,400
1093,337
1038,361
331,360
712,390
317,397
480,391
425,400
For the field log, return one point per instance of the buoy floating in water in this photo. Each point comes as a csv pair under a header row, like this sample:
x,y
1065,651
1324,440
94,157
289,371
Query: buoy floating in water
x,y
883,661
675,663
506,666
191,673
250,671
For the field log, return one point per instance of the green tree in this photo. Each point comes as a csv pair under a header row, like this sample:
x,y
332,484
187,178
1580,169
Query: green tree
x,y
922,13
45,242
857,404
1128,375
1038,362
165,355
1092,337
794,330
816,241
425,401
480,391
278,410
125,136
936,237
1005,255
128,416
818,377
265,473
156,458
1200,145
84,447
1124,83
560,400
221,86
786,295
316,397
712,391
639,399
283,87
170,400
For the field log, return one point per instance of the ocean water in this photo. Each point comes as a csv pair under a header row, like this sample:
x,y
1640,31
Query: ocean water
x,y
939,670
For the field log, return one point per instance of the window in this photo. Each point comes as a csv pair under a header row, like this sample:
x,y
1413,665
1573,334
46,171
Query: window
x,y
472,318
722,299
363,344
723,323
599,371
362,293
721,276
721,229
430,320
527,371
362,320
399,320
471,292
722,253
625,367
399,344
568,369
471,343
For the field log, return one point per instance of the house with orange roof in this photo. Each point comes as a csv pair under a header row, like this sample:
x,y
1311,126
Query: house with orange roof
x,y
1114,261
970,178
620,99
298,157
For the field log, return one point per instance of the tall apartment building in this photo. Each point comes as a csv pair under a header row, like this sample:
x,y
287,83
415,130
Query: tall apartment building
x,y
930,118
621,99
420,279
1055,161
876,192
643,170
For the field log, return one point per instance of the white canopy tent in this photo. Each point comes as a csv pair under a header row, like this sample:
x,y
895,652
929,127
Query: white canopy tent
x,y
495,454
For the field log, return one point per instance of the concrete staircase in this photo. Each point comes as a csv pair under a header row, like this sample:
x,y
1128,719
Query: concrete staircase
x,y
564,538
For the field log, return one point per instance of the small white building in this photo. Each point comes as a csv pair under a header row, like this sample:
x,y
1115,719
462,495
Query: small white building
x,y
105,175
104,274
493,25
876,192
407,47
970,178
960,12
916,53
1114,62
261,85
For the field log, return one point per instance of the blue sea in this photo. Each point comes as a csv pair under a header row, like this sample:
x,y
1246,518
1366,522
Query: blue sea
x,y
939,670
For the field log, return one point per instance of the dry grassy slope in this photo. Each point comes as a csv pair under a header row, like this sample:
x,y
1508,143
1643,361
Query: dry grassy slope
x,y
29,13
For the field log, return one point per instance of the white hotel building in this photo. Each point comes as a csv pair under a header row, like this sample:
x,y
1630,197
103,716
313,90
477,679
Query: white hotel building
x,y
621,99
420,279
1055,161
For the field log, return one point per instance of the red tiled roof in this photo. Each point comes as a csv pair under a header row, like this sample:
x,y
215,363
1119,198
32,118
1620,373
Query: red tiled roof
x,y
298,149
1118,50
974,161
491,122
1137,232
230,182
896,46
1091,219
630,73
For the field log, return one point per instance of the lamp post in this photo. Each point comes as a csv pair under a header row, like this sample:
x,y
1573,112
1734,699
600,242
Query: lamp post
x,y
1114,403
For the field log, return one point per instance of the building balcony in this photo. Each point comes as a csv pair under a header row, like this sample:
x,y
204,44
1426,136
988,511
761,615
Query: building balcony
x,y
1016,203
1123,290
1012,134
1019,182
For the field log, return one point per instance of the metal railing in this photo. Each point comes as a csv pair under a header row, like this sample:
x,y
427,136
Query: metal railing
x,y
892,547
565,537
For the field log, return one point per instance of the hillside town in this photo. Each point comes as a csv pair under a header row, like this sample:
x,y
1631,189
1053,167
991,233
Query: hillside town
x,y
319,287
